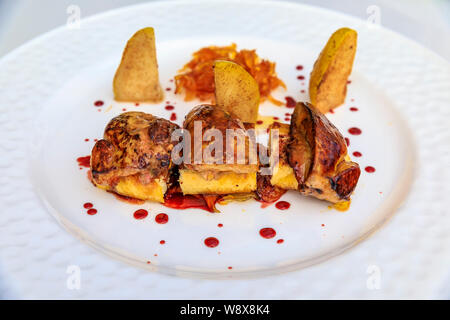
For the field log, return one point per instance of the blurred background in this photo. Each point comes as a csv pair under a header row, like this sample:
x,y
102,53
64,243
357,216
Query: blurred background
x,y
425,21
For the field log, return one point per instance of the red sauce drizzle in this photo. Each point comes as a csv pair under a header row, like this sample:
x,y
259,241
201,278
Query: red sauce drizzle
x,y
98,103
162,218
301,77
169,107
267,233
369,169
211,242
140,214
177,200
88,205
290,102
280,241
173,116
84,161
299,67
282,205
92,211
354,109
357,154
355,131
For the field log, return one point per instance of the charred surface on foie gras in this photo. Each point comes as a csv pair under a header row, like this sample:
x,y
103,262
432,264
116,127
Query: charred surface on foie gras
x,y
317,154
210,177
265,190
134,157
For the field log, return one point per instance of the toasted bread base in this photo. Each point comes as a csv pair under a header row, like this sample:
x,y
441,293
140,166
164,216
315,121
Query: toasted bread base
x,y
193,182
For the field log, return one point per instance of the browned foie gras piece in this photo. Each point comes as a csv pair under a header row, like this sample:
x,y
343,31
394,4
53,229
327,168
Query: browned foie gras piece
x,y
134,157
315,154
224,172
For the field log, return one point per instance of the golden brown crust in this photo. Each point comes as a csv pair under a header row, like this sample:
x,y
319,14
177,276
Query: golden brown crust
x,y
134,143
330,176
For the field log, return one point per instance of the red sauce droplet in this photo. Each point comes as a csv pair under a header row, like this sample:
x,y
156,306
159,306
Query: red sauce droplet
x,y
287,119
355,131
173,116
357,154
259,122
86,139
168,89
299,67
220,225
276,118
88,205
369,169
347,141
331,111
169,107
354,109
280,241
84,161
91,211
124,109
267,233
148,262
352,99
171,80
162,242
282,205
290,102
98,103
301,77
229,268
302,91
349,81
162,218
136,104
323,225
211,242
95,140
140,214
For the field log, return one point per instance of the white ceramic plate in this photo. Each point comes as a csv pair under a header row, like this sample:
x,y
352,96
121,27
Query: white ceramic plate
x,y
49,87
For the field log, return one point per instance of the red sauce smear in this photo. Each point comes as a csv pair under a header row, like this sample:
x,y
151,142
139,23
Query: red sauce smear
x,y
354,109
140,214
357,154
347,141
299,67
280,241
84,161
301,77
92,211
267,233
290,102
169,107
173,116
177,200
88,205
369,169
211,242
98,103
282,205
162,218
355,131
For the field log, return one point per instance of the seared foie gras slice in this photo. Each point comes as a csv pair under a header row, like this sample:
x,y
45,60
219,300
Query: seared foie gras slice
x,y
315,155
219,171
134,157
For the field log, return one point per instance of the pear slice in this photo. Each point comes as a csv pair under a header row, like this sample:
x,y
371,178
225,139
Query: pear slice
x,y
137,78
236,91
328,81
